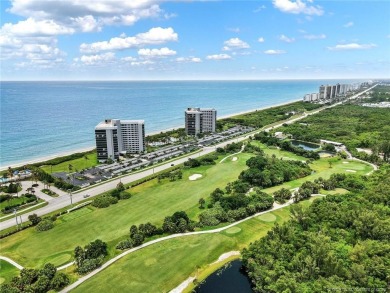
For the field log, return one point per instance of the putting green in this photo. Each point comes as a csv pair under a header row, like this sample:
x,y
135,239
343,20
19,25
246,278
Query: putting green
x,y
233,230
268,217
60,259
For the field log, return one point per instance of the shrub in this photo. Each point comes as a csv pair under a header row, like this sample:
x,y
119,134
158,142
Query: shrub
x,y
125,244
124,195
59,281
34,219
44,225
89,265
104,201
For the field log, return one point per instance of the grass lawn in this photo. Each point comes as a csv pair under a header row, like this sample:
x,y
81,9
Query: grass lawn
x,y
163,266
7,271
11,202
150,202
78,164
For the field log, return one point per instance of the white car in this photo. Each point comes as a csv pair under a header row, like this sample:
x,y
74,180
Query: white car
x,y
86,195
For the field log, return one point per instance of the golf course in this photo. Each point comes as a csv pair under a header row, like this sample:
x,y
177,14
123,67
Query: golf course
x,y
170,262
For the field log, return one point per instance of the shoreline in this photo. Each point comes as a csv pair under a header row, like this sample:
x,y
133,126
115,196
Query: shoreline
x,y
86,149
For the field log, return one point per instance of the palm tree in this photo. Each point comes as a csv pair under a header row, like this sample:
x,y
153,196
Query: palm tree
x,y
17,185
86,160
10,173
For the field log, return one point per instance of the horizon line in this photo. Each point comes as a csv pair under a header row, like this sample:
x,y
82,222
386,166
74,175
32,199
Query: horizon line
x,y
138,80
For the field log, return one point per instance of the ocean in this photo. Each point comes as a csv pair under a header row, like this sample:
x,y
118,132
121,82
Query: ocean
x,y
40,119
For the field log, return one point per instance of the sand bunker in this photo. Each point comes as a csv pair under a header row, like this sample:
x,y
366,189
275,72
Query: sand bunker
x,y
234,159
345,162
353,171
195,177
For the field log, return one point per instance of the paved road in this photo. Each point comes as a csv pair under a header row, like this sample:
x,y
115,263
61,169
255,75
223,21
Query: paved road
x,y
14,263
64,200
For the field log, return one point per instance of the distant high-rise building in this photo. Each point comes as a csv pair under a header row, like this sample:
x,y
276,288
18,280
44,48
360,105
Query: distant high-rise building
x,y
200,120
114,136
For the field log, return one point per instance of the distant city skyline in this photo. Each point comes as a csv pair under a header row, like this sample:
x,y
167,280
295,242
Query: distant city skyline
x,y
198,40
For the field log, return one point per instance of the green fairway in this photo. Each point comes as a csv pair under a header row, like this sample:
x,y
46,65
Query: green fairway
x,y
7,271
163,266
151,201
78,164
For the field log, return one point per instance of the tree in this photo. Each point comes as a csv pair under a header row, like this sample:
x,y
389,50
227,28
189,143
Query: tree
x,y
133,230
138,239
202,202
34,219
282,195
95,249
216,195
120,186
18,185
86,160
59,281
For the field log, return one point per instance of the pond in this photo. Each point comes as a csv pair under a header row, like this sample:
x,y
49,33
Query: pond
x,y
308,146
229,279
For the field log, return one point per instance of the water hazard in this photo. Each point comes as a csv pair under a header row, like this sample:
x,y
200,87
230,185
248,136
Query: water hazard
x,y
229,279
305,145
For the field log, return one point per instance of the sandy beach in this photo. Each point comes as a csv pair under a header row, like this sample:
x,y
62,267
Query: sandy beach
x,y
86,149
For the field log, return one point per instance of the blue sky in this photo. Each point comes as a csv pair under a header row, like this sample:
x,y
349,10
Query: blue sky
x,y
144,39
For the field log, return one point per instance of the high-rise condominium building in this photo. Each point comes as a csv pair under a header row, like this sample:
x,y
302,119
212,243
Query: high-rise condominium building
x,y
200,120
114,136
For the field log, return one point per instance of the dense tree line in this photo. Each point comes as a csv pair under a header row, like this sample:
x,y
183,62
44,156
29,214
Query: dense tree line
x,y
230,208
203,161
179,222
264,117
266,172
341,242
353,125
233,147
37,281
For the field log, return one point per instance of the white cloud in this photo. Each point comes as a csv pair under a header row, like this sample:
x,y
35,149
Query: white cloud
x,y
286,39
261,40
154,36
297,7
235,43
105,12
348,24
31,27
274,52
315,37
189,59
99,59
140,63
219,57
87,24
352,46
153,53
